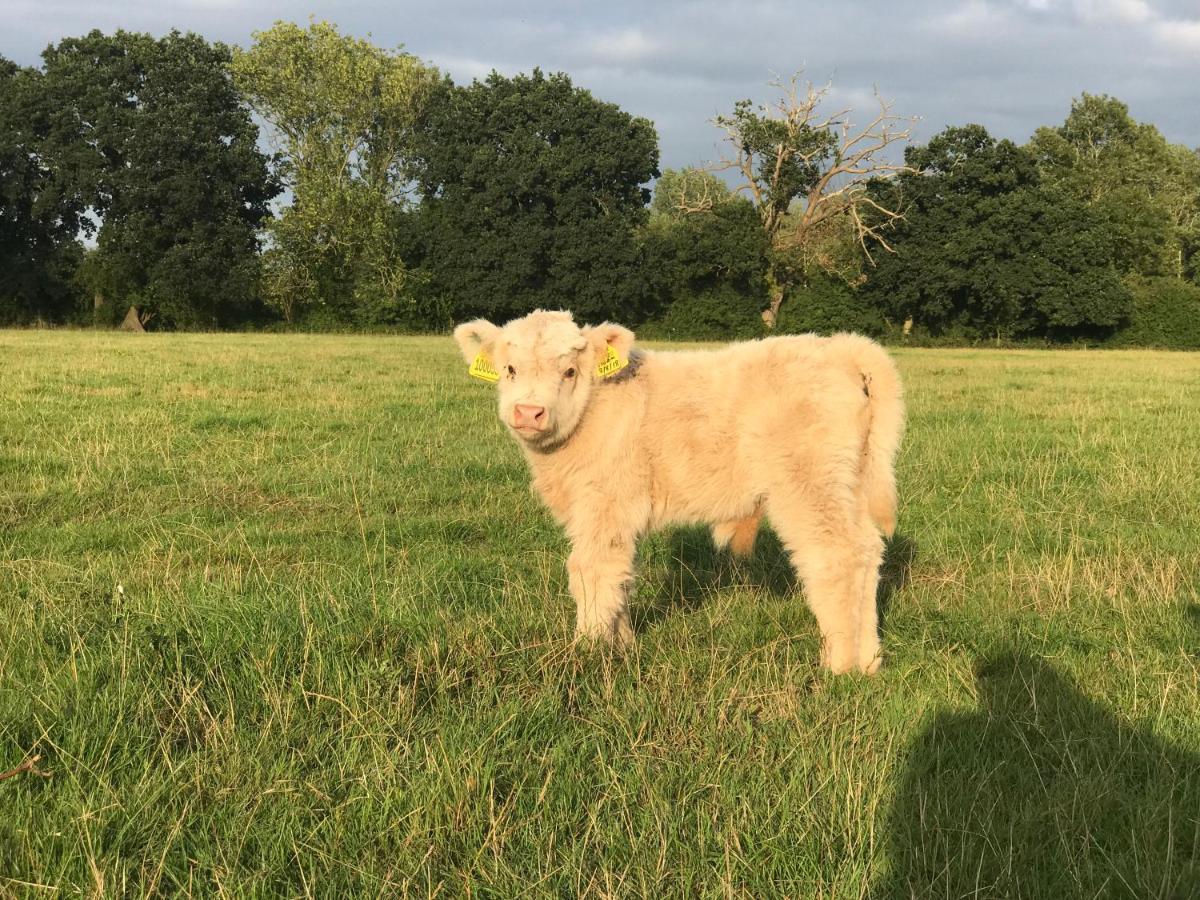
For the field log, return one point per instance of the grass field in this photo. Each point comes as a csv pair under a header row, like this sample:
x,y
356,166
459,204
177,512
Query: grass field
x,y
282,618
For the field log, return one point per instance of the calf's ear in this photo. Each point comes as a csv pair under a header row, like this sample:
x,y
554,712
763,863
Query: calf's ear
x,y
476,337
606,335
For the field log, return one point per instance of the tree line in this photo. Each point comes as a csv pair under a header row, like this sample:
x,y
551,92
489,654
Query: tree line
x,y
133,175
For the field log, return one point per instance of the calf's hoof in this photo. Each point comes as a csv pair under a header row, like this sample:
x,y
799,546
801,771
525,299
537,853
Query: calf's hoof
x,y
870,658
841,656
617,632
838,654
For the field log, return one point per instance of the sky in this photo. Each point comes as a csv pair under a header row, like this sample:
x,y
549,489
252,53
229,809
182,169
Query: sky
x,y
1010,65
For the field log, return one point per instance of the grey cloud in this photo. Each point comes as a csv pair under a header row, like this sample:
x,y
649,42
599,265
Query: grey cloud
x,y
1010,65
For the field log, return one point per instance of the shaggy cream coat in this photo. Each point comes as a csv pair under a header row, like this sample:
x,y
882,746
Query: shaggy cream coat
x,y
801,429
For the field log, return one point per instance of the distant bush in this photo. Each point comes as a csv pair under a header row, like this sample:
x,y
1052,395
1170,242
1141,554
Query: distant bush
x,y
1166,313
716,313
705,273
722,312
824,305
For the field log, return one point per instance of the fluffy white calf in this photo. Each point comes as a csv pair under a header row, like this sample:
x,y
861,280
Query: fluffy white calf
x,y
619,440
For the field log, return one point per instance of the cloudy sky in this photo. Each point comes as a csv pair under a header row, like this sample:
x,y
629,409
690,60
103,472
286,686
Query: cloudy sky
x,y
1009,64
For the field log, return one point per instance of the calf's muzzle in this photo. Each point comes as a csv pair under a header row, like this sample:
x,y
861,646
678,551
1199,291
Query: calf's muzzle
x,y
526,415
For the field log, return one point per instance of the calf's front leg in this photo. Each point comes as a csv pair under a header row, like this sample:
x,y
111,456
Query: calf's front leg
x,y
599,574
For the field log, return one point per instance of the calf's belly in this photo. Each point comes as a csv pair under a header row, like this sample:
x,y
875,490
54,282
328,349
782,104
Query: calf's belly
x,y
703,495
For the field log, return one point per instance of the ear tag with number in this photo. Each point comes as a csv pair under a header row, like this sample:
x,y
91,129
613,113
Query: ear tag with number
x,y
481,368
611,364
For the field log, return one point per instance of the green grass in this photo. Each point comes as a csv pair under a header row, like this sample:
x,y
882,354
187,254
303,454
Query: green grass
x,y
282,619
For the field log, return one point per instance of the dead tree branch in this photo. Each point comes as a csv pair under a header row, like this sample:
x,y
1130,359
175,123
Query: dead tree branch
x,y
30,766
693,199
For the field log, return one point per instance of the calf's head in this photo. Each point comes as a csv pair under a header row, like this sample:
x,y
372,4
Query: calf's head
x,y
545,368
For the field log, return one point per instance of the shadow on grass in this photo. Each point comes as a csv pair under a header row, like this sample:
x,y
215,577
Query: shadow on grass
x,y
1042,792
695,569
899,554
1192,613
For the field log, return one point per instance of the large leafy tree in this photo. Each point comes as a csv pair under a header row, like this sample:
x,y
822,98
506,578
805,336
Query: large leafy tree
x,y
39,221
1146,190
532,192
1182,202
153,137
985,250
343,112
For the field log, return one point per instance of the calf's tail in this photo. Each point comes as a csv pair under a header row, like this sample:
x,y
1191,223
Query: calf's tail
x,y
885,428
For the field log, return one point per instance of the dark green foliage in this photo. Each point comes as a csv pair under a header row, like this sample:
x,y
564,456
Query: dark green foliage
x,y
532,191
1136,183
706,269
985,250
1166,313
714,312
38,220
152,135
1139,231
725,243
825,304
344,291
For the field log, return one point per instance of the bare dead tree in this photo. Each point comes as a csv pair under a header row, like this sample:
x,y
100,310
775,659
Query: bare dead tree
x,y
804,168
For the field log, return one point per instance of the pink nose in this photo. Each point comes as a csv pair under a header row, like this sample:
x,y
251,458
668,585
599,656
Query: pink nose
x,y
526,415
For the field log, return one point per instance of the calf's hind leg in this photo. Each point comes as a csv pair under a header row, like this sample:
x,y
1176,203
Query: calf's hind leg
x,y
836,552
738,535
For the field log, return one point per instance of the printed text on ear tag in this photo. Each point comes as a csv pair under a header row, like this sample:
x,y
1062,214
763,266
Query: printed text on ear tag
x,y
611,364
481,368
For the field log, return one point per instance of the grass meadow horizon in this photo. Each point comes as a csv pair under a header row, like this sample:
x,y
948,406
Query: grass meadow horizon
x,y
282,618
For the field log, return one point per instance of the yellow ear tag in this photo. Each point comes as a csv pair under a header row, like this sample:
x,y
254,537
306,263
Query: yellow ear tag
x,y
481,368
611,364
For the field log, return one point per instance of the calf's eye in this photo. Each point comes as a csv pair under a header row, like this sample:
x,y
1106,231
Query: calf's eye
x,y
512,373
570,373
